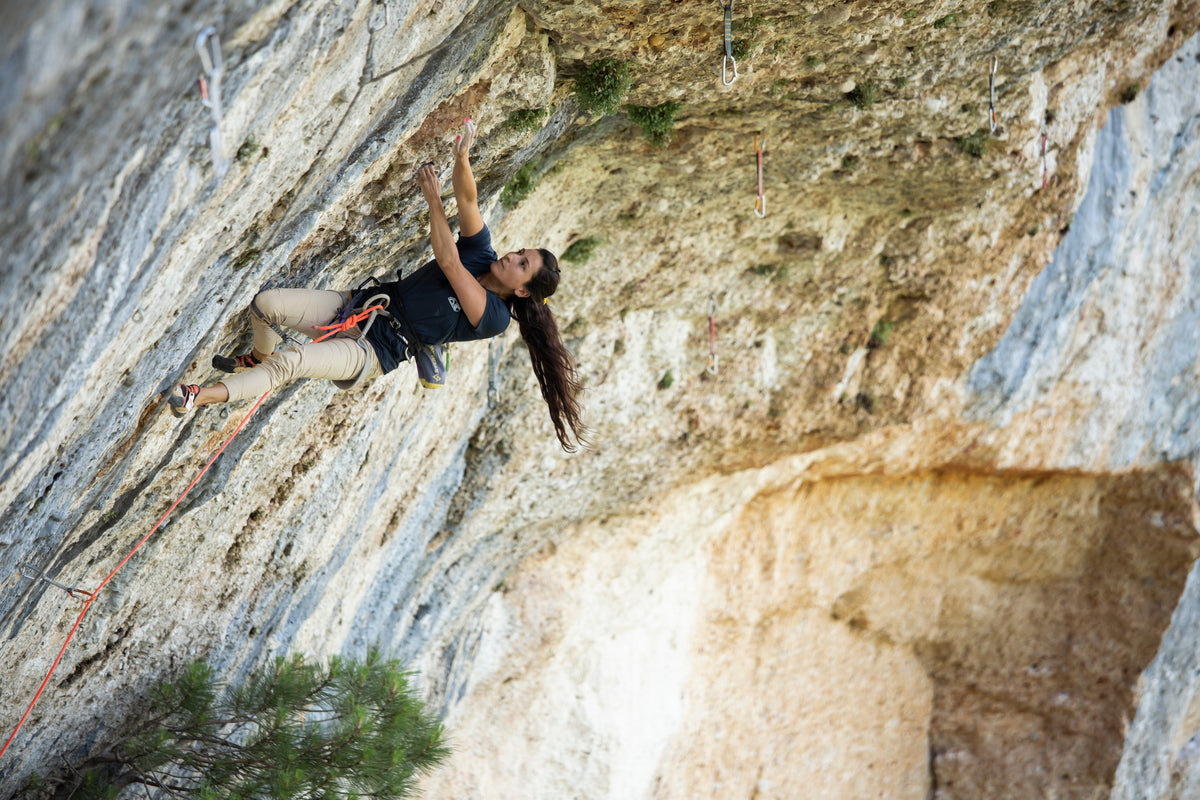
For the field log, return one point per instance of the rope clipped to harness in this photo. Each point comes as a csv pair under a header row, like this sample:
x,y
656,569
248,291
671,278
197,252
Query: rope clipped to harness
x,y
352,320
346,321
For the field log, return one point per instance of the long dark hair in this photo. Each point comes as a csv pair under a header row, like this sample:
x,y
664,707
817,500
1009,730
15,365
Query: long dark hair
x,y
553,364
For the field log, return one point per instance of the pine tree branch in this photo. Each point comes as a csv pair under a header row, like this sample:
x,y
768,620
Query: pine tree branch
x,y
149,780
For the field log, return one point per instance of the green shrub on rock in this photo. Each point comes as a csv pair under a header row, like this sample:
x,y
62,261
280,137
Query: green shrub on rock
x,y
581,252
601,86
521,186
527,120
657,122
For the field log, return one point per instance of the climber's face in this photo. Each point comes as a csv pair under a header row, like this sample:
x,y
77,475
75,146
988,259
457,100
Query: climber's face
x,y
514,270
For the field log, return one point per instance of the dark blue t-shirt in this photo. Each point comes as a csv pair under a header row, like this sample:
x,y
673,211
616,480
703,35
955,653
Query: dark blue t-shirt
x,y
432,308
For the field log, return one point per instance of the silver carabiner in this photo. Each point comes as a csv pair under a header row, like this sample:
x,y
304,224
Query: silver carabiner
x,y
725,60
208,46
387,20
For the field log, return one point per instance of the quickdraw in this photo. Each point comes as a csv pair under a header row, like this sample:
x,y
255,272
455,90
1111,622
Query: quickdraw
x,y
208,45
712,335
29,573
493,393
728,8
760,203
1045,169
992,92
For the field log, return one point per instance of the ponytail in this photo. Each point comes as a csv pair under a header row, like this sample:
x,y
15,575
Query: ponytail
x,y
553,365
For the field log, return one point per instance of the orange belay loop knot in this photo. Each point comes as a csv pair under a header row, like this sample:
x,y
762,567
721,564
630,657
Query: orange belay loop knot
x,y
348,323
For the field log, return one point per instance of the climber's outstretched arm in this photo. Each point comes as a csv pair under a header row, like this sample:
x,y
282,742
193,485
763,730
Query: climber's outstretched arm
x,y
471,295
469,220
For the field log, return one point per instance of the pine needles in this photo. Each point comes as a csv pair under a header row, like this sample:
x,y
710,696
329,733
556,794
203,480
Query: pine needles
x,y
349,729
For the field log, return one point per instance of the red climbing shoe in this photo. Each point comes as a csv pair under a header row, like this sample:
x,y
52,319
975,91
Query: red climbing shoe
x,y
183,399
235,363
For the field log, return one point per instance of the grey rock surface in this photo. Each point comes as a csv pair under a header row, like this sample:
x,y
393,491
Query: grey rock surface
x,y
392,517
1112,319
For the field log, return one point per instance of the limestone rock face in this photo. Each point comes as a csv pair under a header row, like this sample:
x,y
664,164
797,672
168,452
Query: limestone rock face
x,y
925,531
848,637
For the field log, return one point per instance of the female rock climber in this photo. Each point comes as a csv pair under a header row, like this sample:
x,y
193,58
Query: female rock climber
x,y
466,292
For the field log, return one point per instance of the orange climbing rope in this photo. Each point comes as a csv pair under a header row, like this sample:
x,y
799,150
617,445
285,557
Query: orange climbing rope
x,y
335,328
91,597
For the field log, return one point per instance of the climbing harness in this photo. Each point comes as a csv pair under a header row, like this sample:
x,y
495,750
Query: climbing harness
x,y
90,597
30,573
992,92
760,203
728,7
387,20
357,298
346,319
1045,138
712,335
493,393
208,45
432,361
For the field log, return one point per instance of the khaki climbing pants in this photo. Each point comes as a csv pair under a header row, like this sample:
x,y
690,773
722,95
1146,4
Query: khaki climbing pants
x,y
339,358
